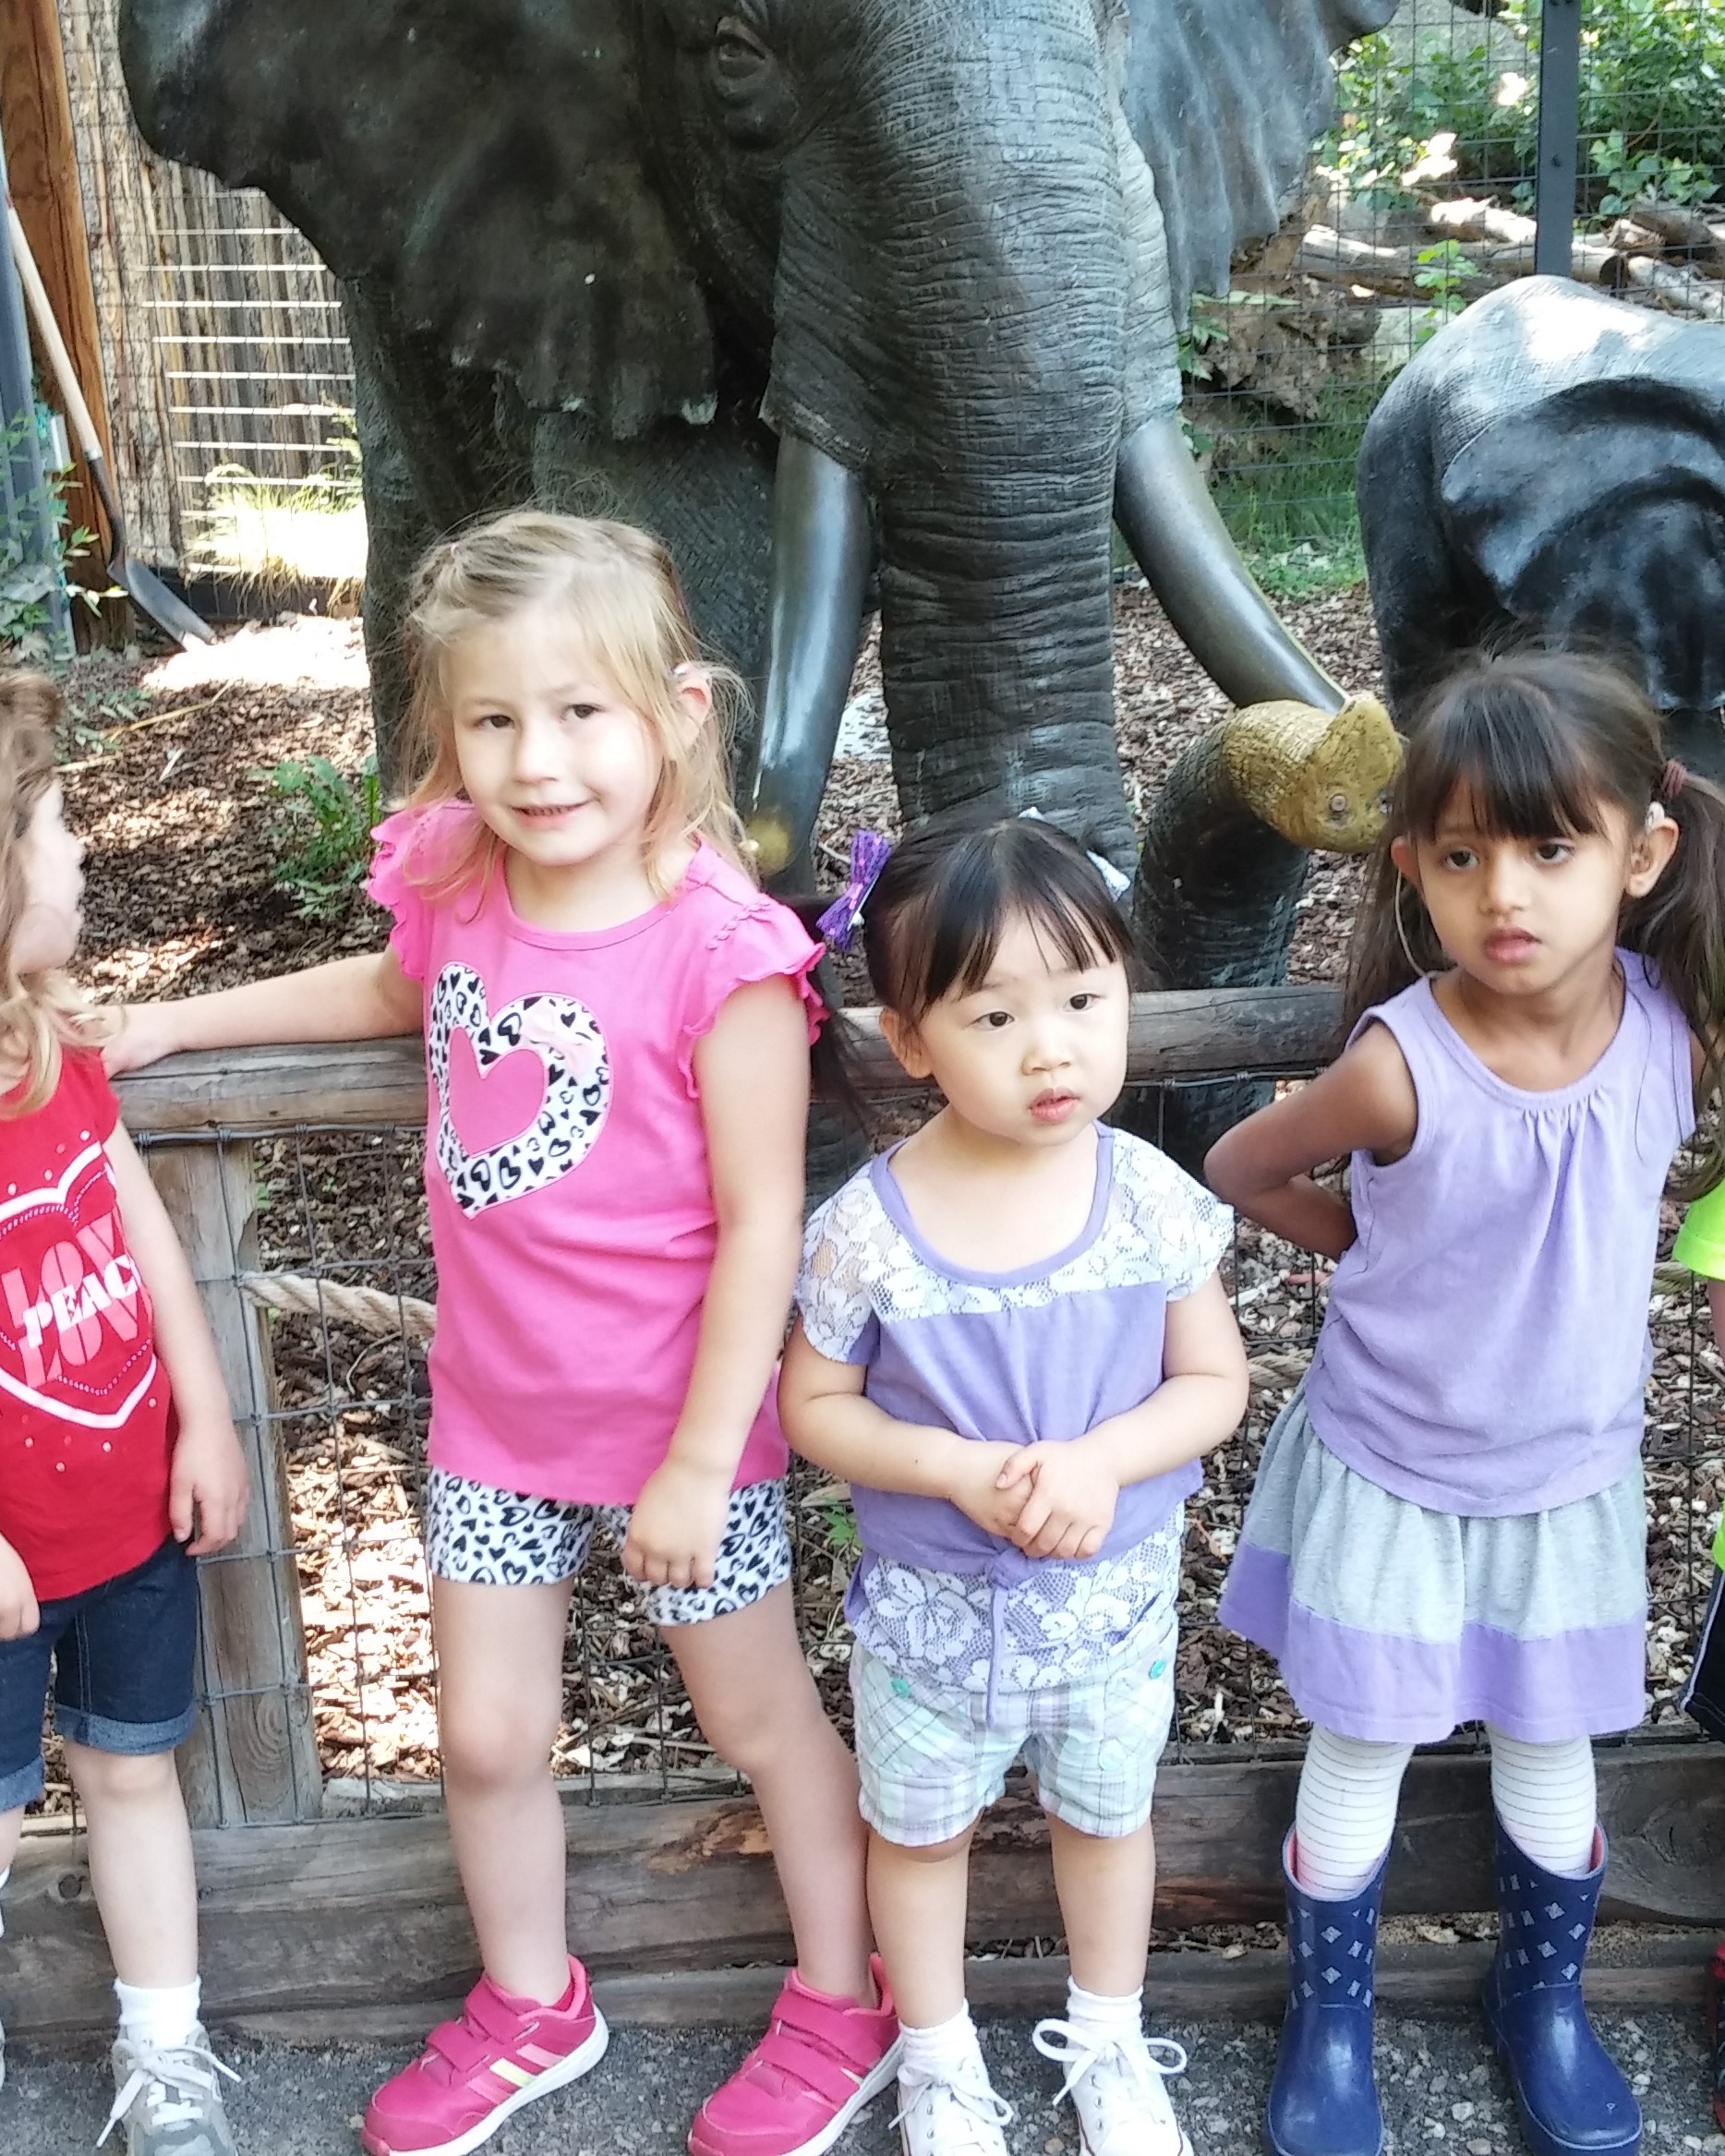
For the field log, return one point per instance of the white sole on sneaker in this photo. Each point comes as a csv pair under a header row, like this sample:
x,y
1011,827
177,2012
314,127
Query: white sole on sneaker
x,y
580,2061
1084,2143
868,2089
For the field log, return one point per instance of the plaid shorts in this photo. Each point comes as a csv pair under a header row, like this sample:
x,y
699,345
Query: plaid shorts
x,y
931,1759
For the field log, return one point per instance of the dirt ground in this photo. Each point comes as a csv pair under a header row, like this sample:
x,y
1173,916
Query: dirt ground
x,y
168,777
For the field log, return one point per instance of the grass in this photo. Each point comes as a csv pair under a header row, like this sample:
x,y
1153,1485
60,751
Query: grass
x,y
1287,493
274,537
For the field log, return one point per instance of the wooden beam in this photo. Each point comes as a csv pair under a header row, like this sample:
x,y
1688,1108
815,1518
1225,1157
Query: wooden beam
x,y
323,1921
42,169
253,1759
1181,1033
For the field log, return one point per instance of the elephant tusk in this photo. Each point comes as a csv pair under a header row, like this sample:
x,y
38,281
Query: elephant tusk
x,y
1178,538
822,552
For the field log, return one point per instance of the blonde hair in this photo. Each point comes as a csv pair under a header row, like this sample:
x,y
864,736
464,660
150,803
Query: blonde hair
x,y
41,1013
623,600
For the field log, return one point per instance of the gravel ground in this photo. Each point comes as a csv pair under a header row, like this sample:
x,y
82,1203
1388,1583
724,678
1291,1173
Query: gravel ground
x,y
1440,2090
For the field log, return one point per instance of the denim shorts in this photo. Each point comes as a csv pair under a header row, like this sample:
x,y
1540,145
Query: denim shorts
x,y
122,1658
932,1759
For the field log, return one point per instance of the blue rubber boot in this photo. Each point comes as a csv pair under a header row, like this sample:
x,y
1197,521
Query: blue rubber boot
x,y
1571,2097
1324,2100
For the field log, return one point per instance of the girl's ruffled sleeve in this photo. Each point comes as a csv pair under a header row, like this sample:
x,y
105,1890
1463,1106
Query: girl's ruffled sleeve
x,y
400,841
760,941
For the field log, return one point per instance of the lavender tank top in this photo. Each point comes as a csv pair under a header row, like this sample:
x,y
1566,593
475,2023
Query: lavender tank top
x,y
1485,1349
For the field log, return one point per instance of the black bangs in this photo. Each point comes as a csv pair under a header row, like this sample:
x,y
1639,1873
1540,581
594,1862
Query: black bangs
x,y
935,917
1509,738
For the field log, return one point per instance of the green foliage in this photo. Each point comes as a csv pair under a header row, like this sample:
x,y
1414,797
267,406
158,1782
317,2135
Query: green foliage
x,y
28,587
323,825
1288,496
1443,272
1652,106
838,1530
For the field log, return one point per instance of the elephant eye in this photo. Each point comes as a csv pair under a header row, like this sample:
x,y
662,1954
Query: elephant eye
x,y
738,53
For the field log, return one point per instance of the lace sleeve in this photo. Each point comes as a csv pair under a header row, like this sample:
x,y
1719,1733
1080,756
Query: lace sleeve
x,y
1190,1227
832,1293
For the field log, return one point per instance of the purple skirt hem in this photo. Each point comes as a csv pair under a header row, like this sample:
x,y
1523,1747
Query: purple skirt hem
x,y
1388,1688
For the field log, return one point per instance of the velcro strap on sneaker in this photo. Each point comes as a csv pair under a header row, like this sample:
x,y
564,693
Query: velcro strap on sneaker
x,y
807,2042
459,2047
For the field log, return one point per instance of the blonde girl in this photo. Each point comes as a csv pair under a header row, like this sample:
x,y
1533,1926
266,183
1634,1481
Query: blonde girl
x,y
617,1027
118,1462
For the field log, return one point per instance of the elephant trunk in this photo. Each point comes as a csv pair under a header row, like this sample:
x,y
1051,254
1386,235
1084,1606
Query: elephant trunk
x,y
996,652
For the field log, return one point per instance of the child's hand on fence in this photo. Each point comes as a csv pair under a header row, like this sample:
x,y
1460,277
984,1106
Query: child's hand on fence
x,y
676,1525
19,1613
208,1488
979,1490
143,1032
1070,1494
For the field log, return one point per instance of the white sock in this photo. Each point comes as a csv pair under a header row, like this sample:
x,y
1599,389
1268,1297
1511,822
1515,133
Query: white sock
x,y
1345,1812
940,2052
1104,2013
1545,1796
160,2017
4,1877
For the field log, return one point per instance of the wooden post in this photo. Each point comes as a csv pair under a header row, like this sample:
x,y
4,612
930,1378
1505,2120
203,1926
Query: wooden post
x,y
42,160
253,1760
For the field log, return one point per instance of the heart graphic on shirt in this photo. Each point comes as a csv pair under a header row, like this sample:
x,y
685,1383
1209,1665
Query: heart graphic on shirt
x,y
521,1095
74,1333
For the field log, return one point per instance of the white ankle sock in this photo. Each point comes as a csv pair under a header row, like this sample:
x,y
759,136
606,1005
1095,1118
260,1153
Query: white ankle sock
x,y
161,2017
4,1877
934,2054
1105,2013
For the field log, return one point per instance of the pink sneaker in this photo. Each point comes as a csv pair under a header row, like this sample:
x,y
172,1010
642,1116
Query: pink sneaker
x,y
819,2063
503,2052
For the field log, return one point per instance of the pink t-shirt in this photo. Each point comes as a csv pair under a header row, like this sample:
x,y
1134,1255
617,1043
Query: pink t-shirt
x,y
566,1175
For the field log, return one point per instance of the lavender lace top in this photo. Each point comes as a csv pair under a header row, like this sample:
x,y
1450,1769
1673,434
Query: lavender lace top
x,y
1043,1353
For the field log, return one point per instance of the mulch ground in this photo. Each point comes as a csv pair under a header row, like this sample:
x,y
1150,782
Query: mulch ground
x,y
168,777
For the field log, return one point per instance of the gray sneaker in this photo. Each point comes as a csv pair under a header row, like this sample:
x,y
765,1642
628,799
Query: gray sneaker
x,y
170,2101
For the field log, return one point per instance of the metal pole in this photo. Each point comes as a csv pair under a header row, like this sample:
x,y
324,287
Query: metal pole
x,y
28,511
1559,125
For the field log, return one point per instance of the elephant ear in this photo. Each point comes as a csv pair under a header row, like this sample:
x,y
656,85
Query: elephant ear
x,y
1227,98
479,160
1596,517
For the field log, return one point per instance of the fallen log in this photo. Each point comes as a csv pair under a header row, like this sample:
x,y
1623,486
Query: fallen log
x,y
1688,230
1680,291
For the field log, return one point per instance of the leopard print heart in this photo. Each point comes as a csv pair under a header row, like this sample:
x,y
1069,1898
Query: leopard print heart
x,y
565,1036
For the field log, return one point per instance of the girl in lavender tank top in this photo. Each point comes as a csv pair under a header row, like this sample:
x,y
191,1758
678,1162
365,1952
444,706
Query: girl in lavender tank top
x,y
1448,1524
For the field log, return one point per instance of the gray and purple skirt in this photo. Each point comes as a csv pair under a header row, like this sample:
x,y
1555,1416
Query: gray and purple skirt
x,y
1395,1624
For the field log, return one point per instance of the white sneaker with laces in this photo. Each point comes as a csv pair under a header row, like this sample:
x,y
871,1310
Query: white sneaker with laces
x,y
168,2099
1117,2085
956,2115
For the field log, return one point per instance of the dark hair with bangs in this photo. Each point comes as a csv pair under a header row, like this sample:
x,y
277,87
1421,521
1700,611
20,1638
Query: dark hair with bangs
x,y
1540,742
935,916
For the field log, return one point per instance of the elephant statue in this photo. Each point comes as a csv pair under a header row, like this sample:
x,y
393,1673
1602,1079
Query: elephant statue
x,y
848,300
1552,465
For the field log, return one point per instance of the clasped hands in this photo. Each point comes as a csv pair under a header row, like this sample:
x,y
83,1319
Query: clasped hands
x,y
1048,1500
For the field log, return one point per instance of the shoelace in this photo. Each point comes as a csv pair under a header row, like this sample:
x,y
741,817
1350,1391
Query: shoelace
x,y
182,2067
1080,2049
977,2098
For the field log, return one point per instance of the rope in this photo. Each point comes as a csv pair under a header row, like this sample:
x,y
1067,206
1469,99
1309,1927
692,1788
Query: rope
x,y
298,1294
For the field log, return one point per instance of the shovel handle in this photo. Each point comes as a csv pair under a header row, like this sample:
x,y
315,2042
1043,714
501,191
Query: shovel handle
x,y
52,343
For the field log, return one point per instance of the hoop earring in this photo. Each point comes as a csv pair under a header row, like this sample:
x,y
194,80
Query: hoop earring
x,y
1414,967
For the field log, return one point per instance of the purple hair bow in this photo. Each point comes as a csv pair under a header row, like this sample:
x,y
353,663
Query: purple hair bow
x,y
869,854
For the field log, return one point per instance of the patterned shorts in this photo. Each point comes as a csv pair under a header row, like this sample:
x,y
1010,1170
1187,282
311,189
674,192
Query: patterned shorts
x,y
931,1760
489,1537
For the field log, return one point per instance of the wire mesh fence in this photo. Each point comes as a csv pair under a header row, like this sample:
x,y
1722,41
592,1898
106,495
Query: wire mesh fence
x,y
341,1402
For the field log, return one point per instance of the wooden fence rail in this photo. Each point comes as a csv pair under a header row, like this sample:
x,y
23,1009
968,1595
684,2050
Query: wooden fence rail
x,y
309,1922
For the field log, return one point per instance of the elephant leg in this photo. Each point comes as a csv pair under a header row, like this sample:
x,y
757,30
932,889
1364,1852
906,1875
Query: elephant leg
x,y
437,448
